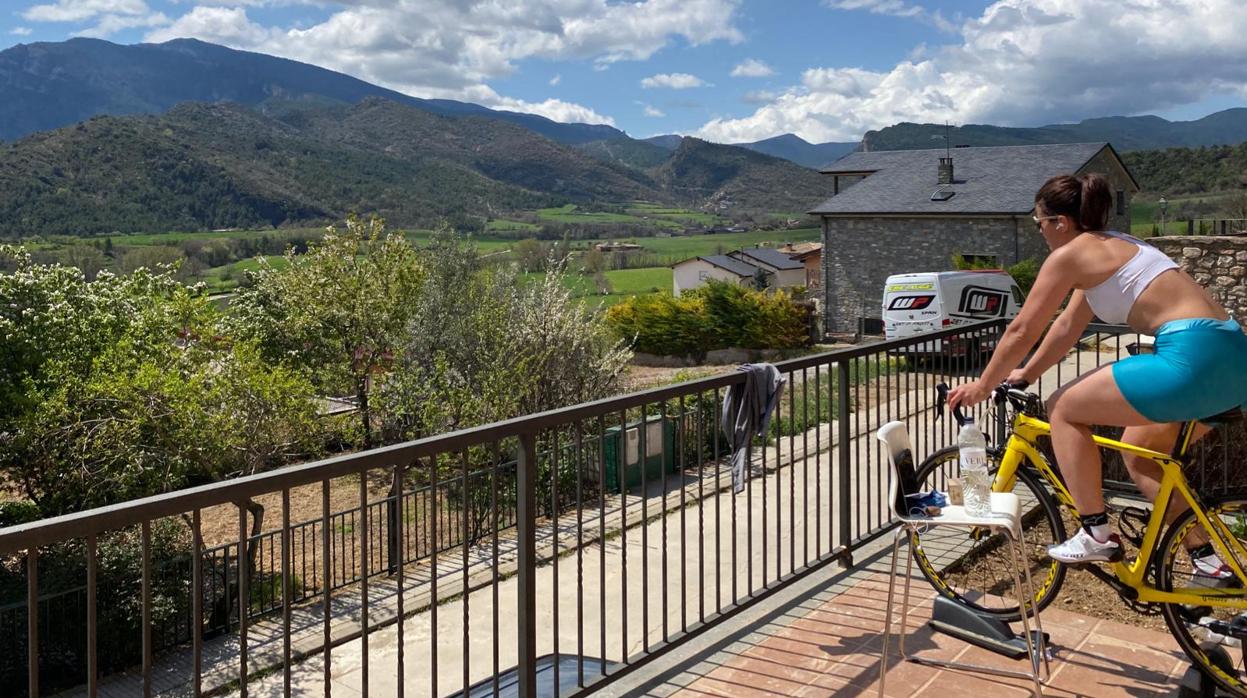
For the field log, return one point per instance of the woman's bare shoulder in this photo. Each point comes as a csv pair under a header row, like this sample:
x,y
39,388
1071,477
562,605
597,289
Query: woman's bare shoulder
x,y
1083,256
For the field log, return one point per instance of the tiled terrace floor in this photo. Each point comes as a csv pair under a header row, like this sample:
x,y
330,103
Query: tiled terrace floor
x,y
833,648
824,636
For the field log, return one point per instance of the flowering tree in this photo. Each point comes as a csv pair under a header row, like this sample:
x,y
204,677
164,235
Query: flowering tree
x,y
340,311
128,386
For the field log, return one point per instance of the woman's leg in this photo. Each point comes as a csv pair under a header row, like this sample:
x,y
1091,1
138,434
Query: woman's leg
x,y
1146,473
1091,399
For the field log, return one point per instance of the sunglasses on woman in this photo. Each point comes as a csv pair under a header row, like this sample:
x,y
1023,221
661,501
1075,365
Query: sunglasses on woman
x,y
1040,219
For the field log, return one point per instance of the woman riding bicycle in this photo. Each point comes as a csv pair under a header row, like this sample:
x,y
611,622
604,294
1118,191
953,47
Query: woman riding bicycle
x,y
1199,367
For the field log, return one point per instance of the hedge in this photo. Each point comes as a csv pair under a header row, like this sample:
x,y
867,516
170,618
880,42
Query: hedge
x,y
717,315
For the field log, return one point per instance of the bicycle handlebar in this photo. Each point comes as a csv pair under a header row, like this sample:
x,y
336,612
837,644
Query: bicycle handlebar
x,y
1000,393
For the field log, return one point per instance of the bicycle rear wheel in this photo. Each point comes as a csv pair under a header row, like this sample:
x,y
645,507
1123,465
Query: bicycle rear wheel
x,y
1201,633
974,569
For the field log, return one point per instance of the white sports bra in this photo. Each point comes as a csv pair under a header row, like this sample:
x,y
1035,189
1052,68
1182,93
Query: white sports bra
x,y
1112,300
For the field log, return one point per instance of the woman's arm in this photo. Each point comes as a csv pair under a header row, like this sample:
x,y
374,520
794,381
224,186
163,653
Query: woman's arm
x,y
1055,281
1061,337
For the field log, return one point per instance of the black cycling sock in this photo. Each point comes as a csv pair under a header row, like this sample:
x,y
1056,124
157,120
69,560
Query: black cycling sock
x,y
1095,524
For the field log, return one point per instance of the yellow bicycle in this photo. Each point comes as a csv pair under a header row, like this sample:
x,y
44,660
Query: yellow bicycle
x,y
1206,614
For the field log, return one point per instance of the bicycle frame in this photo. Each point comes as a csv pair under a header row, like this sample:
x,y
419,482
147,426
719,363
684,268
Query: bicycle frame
x,y
1022,447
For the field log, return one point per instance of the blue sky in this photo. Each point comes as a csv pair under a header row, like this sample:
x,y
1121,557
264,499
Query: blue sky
x,y
727,70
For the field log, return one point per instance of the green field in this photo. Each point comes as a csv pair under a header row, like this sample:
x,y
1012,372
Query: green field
x,y
624,284
658,252
1145,213
179,237
226,278
638,213
673,215
685,246
571,214
503,224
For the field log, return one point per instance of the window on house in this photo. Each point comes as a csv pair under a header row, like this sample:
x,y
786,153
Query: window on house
x,y
703,275
1121,202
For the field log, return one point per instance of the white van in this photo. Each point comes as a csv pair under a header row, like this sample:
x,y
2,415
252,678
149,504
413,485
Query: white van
x,y
914,304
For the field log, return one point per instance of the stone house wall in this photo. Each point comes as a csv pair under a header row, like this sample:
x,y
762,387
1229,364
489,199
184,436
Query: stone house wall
x,y
860,252
869,250
1105,164
1219,264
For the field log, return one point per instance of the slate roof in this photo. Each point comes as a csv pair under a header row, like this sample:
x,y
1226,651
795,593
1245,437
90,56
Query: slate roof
x,y
735,266
999,180
771,257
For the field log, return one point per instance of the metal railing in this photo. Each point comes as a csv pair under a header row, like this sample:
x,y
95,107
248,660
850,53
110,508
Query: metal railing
x,y
567,533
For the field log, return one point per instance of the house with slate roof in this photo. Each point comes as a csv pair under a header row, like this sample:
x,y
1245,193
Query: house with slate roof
x,y
894,212
782,269
694,272
785,272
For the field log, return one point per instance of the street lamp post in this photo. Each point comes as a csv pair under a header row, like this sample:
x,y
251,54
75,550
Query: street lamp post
x,y
1164,205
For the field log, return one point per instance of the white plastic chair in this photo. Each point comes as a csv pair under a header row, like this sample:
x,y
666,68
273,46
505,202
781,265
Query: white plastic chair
x,y
1005,518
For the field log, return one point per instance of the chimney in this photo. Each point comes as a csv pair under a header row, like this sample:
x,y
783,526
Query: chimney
x,y
946,170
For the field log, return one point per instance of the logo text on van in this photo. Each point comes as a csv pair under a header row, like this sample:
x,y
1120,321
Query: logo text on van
x,y
911,287
910,302
978,300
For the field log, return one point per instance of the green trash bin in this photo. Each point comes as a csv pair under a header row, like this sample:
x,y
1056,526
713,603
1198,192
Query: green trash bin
x,y
623,447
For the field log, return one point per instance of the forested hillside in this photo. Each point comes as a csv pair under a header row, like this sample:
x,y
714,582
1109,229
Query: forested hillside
x,y
735,177
1190,170
210,166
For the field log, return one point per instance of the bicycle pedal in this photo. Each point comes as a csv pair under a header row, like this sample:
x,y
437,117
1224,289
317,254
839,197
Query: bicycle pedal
x,y
1193,614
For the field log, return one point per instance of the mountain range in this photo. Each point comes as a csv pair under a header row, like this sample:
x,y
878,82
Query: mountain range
x,y
190,135
203,166
1126,133
47,85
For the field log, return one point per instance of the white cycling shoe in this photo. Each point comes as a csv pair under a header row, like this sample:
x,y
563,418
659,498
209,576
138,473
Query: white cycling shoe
x,y
1210,565
1083,547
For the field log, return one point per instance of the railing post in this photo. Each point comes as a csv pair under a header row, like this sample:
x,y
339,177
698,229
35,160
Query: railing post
x,y
844,450
526,515
393,528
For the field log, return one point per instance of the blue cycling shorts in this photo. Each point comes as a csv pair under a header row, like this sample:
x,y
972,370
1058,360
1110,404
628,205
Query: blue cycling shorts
x,y
1199,369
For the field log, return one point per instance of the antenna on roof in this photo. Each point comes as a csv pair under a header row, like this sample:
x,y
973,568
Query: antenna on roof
x,y
948,140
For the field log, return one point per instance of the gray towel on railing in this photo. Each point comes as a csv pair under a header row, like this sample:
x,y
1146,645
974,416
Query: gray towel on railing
x,y
747,413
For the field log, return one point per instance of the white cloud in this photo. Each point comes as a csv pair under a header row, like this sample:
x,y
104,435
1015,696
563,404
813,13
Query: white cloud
x,y
750,68
653,111
556,80
895,8
440,48
222,25
674,81
554,109
1023,62
20,31
81,10
111,24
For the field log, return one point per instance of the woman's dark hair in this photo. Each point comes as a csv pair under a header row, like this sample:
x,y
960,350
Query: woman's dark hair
x,y
1086,199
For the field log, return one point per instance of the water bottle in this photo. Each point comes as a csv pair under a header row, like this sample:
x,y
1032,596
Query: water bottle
x,y
976,481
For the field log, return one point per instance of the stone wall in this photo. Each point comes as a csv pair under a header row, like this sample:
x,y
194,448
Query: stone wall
x,y
1119,181
865,251
1217,263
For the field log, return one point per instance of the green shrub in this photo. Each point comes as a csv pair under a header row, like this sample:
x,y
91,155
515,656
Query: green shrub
x,y
1024,273
14,512
715,316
